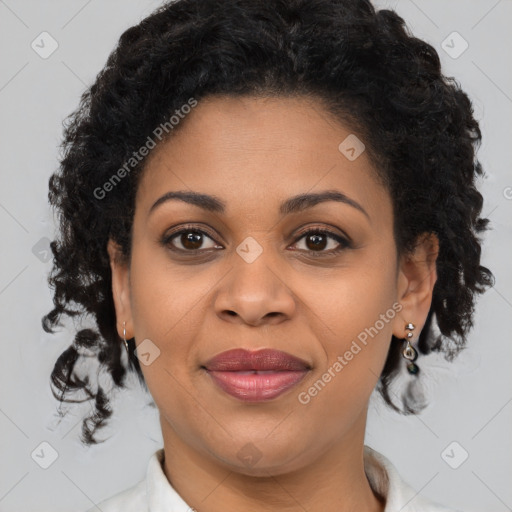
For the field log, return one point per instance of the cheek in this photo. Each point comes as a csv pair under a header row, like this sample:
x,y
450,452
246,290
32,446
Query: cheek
x,y
356,300
170,305
163,298
354,326
164,310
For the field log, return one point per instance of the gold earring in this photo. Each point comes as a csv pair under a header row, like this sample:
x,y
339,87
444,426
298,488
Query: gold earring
x,y
409,351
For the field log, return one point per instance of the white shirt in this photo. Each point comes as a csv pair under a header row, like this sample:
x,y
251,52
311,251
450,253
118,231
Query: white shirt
x,y
154,493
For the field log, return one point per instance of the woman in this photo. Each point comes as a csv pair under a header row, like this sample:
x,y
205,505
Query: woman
x,y
269,204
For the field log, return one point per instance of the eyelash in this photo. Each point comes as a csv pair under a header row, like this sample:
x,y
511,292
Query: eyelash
x,y
344,243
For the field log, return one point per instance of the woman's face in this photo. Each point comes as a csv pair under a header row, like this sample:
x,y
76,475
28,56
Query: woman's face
x,y
254,280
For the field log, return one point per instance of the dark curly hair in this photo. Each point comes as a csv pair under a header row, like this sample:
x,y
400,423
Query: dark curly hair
x,y
362,65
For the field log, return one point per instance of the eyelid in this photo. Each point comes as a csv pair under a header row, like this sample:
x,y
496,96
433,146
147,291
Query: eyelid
x,y
344,242
329,230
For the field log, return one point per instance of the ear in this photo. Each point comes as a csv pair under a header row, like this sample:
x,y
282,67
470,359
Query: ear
x,y
417,275
120,288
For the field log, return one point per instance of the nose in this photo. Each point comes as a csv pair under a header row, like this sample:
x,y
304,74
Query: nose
x,y
255,294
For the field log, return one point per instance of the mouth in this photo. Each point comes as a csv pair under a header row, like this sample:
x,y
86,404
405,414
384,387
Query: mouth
x,y
256,376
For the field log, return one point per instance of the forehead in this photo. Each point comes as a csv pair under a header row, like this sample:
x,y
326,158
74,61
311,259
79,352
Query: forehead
x,y
252,151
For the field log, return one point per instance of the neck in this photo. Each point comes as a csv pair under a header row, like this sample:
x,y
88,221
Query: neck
x,y
334,481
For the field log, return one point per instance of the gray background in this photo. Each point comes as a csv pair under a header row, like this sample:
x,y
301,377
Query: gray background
x,y
471,399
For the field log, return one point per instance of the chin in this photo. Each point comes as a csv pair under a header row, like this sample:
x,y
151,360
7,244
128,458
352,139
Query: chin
x,y
263,459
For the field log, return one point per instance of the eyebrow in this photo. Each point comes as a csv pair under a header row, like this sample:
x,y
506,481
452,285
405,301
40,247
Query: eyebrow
x,y
294,204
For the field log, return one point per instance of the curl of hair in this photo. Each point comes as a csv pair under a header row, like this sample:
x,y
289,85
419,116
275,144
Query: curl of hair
x,y
364,66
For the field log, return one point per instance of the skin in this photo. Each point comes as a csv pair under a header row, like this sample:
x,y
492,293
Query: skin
x,y
253,153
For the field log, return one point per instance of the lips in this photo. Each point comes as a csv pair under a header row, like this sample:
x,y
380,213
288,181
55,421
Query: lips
x,y
256,375
262,360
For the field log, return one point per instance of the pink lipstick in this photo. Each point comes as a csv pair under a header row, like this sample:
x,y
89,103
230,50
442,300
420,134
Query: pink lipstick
x,y
256,376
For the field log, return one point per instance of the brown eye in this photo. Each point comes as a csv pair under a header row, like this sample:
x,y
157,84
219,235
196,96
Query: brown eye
x,y
317,241
189,240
